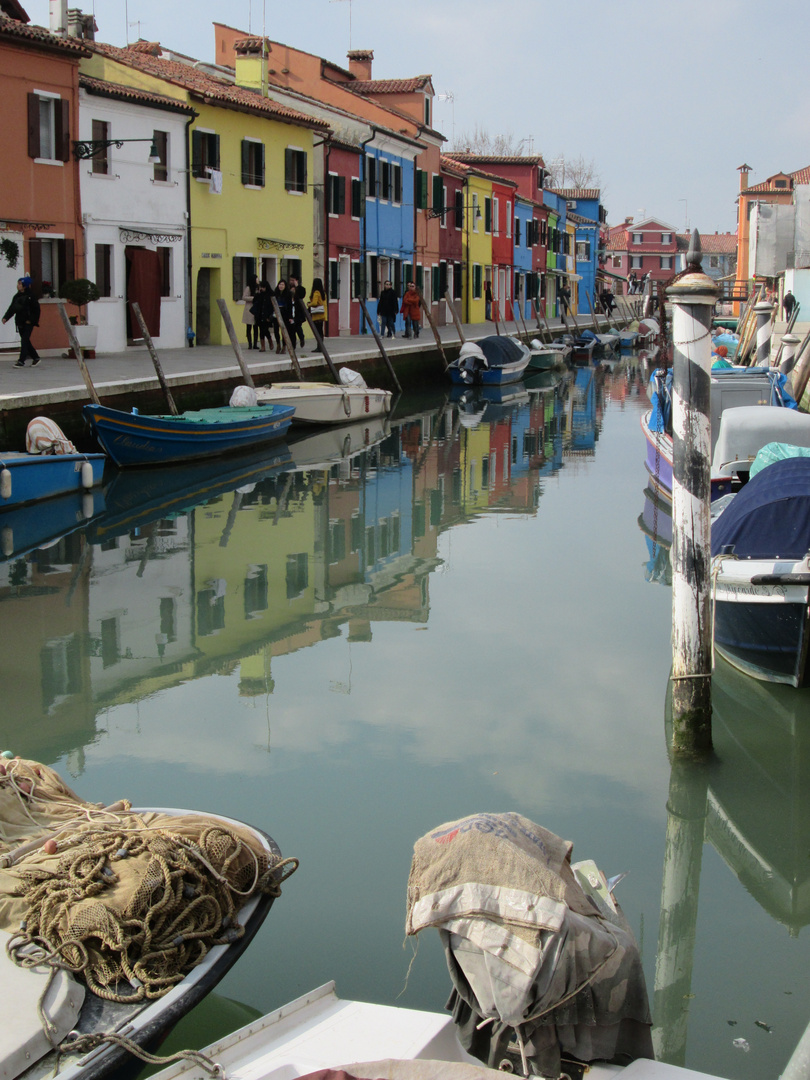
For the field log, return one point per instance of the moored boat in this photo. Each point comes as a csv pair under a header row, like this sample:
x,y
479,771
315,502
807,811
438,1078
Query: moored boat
x,y
490,361
161,903
131,439
545,356
328,403
49,466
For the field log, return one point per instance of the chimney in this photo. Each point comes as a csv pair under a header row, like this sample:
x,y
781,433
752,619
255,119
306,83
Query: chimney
x,y
360,63
743,170
629,219
81,26
251,63
59,21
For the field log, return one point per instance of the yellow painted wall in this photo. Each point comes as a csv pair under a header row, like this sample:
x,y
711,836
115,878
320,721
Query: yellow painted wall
x,y
477,247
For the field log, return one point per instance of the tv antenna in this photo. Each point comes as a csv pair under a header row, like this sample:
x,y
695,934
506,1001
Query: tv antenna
x,y
349,2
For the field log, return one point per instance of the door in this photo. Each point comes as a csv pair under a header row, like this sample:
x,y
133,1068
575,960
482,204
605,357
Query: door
x,y
144,280
345,294
502,295
202,307
270,270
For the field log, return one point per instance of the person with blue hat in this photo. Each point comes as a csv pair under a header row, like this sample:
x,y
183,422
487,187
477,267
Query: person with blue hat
x,y
25,309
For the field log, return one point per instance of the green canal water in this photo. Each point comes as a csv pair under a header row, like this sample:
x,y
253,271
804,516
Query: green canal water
x,y
350,650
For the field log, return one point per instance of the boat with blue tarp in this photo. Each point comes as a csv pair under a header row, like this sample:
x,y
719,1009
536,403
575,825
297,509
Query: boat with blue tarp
x,y
489,362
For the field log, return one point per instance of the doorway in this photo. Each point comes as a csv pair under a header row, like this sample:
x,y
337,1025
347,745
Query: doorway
x,y
202,307
344,294
144,283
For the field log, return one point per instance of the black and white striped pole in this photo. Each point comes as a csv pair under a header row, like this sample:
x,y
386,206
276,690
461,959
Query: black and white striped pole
x,y
693,297
763,312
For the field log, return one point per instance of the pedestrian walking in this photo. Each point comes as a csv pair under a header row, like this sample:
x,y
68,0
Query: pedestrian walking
x,y
283,300
788,304
298,295
411,311
488,300
262,313
387,307
24,308
248,319
317,310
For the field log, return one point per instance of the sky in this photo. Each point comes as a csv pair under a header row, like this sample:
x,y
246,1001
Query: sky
x,y
666,99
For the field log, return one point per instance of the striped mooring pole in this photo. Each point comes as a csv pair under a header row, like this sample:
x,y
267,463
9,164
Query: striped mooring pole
x,y
693,297
763,311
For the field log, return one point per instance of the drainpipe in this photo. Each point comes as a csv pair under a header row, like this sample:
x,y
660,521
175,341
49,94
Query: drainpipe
x,y
189,268
327,142
363,251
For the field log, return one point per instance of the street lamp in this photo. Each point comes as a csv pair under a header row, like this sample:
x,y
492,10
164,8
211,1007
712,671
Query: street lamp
x,y
90,148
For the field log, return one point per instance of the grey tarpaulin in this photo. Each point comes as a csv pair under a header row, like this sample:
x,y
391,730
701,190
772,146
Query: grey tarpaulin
x,y
554,968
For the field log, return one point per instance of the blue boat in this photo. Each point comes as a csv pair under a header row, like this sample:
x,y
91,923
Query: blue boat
x,y
28,478
489,362
133,440
28,528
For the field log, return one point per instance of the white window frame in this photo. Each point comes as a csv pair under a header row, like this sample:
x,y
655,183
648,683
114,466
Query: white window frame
x,y
508,219
476,211
496,209
638,238
49,95
635,262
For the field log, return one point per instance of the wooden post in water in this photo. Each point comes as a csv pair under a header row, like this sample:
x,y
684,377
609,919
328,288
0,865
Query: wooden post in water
x,y
319,338
434,328
763,311
380,345
287,339
77,349
226,318
456,319
693,296
147,337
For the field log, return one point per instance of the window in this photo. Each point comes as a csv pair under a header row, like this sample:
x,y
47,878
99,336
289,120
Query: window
x,y
165,256
543,232
397,176
496,217
204,153
334,280
420,277
666,237
666,262
583,251
421,192
371,176
780,183
103,275
438,195
373,277
714,260
295,169
517,231
476,282
638,238
50,263
385,180
297,574
436,282
459,200
253,163
335,194
635,262
48,127
457,276
100,162
160,140
617,260
243,267
444,206
476,213
357,280
508,218
255,590
427,110
358,198
487,214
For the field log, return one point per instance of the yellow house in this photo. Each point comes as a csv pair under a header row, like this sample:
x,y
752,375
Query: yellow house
x,y
571,263
476,245
248,167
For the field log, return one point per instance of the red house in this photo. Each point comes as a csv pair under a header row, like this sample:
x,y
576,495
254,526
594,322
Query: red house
x,y
451,234
641,248
343,211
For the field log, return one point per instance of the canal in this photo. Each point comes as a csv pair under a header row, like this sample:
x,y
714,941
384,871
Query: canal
x,y
359,637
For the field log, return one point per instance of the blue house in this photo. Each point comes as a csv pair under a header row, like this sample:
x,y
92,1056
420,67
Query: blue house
x,y
522,248
586,210
556,257
387,228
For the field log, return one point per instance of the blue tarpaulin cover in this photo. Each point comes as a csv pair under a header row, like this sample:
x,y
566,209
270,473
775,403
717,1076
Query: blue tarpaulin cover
x,y
770,516
501,350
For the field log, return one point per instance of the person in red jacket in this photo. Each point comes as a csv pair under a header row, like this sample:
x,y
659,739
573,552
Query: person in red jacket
x,y
411,311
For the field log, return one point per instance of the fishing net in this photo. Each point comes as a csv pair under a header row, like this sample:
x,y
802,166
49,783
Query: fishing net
x,y
129,901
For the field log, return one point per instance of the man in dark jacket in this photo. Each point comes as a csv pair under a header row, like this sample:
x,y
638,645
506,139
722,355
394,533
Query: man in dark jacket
x,y
25,309
298,295
788,304
387,308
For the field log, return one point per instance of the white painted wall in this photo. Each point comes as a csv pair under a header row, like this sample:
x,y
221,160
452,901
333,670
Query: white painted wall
x,y
9,338
129,198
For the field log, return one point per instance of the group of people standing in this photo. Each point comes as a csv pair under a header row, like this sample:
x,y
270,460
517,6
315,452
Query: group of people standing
x,y
636,284
259,316
388,306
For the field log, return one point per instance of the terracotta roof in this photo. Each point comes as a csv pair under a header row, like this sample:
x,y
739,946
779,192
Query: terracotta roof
x,y
801,176
617,239
15,10
453,166
578,219
710,243
389,86
499,159
467,168
578,193
129,93
38,35
252,44
142,56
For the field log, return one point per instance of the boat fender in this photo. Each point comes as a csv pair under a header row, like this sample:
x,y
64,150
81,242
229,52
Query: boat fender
x,y
367,403
7,541
7,754
88,505
87,477
5,484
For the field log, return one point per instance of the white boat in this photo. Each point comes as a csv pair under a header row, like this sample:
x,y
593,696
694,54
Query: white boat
x,y
743,432
94,1017
328,403
323,449
322,1031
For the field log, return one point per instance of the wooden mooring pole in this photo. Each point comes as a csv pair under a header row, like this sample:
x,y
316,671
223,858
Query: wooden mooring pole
x,y
693,297
764,312
226,318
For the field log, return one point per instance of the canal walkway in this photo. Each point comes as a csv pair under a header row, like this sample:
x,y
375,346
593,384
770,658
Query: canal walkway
x,y
58,380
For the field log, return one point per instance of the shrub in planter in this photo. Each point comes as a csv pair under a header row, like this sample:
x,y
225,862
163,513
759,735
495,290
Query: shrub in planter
x,y
79,292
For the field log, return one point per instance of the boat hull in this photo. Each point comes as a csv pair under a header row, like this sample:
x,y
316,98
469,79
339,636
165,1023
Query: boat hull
x,y
325,403
43,476
658,459
493,376
762,616
132,440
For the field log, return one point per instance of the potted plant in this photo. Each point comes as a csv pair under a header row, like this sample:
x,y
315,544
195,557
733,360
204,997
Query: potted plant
x,y
80,292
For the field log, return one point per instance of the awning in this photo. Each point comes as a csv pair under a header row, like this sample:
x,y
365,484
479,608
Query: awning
x,y
607,273
566,273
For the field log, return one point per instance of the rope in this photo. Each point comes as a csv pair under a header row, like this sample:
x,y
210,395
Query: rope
x,y
85,1044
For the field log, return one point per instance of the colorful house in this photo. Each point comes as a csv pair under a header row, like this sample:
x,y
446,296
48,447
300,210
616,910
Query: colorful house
x,y
525,284
250,198
451,235
40,224
641,248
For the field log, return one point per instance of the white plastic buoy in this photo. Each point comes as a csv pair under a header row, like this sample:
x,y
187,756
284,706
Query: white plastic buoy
x,y
88,505
7,540
87,475
5,484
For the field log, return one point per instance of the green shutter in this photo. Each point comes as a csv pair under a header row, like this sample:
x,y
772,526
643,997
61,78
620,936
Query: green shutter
x,y
196,153
259,178
288,169
420,277
423,193
341,195
487,215
246,178
438,194
398,183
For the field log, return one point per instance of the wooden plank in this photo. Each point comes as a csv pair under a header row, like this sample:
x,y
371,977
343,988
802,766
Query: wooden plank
x,y
77,352
147,337
380,345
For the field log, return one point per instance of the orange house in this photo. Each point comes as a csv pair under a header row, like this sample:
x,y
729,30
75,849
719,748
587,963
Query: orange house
x,y
403,105
40,212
